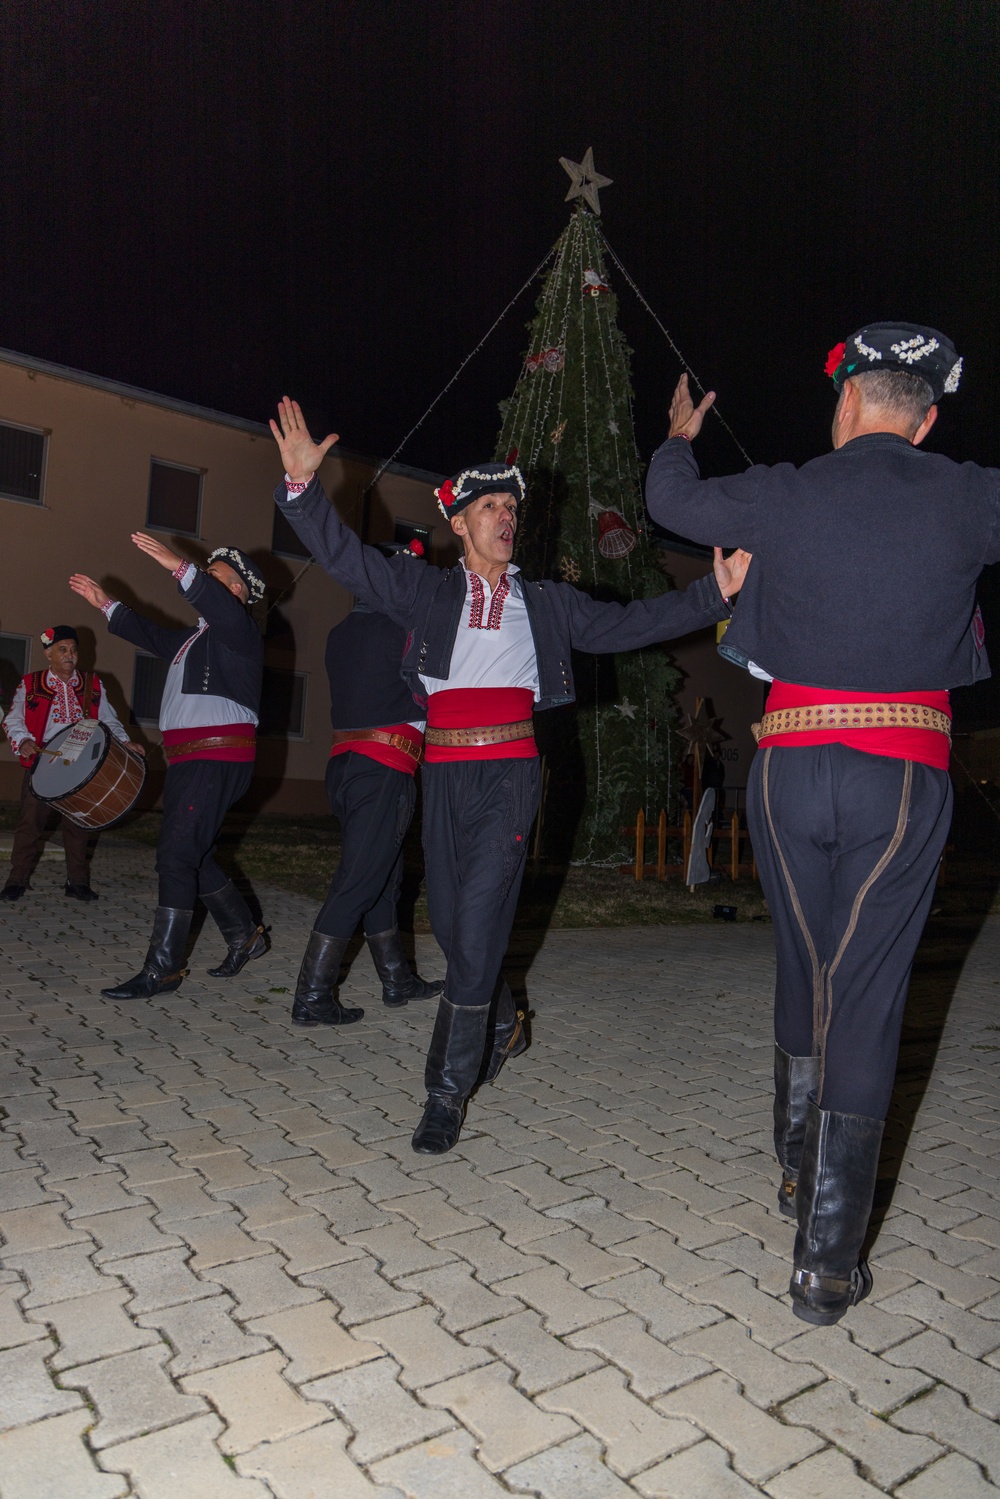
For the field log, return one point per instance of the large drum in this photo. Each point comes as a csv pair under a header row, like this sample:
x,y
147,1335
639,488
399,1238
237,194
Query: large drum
x,y
85,773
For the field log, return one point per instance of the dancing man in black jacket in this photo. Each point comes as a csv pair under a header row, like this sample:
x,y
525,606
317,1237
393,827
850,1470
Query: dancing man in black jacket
x,y
849,798
484,647
208,718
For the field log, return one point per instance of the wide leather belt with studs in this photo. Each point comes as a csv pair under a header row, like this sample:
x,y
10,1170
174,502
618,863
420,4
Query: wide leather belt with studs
x,y
828,716
498,733
409,747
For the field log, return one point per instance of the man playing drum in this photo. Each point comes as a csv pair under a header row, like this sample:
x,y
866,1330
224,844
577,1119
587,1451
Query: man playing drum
x,y
208,719
45,703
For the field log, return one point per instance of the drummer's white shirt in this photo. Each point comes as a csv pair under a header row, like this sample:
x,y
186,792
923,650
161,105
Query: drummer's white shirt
x,y
66,708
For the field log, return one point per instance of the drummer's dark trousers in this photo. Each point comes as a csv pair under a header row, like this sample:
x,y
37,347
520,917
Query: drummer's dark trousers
x,y
847,847
197,794
28,837
374,806
476,821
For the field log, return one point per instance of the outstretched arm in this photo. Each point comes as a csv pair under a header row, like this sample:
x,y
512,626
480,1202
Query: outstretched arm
x,y
362,569
603,628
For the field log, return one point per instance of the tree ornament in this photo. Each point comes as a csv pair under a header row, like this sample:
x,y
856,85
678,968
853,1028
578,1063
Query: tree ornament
x,y
625,708
550,360
615,538
556,435
593,284
701,732
585,180
569,570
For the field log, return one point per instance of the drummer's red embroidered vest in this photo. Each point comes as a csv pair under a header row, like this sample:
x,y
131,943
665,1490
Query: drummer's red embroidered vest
x,y
471,708
39,697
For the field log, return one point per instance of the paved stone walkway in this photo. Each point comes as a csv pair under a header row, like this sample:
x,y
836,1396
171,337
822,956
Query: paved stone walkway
x,y
225,1275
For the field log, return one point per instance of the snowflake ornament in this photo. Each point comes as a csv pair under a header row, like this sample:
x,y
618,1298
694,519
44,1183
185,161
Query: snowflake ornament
x,y
569,570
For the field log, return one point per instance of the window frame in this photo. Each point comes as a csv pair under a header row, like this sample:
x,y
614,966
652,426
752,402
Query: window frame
x,y
44,433
133,716
28,641
184,468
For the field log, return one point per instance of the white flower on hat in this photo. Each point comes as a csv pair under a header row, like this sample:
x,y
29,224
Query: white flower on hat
x,y
866,349
913,349
954,376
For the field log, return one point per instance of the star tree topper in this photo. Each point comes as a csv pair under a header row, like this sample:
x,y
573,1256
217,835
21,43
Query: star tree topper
x,y
702,733
585,180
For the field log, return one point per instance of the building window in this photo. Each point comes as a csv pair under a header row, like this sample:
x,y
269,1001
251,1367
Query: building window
x,y
148,681
407,531
22,455
14,653
284,542
174,498
283,704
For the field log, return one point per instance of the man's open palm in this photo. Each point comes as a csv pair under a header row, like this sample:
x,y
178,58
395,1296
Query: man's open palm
x,y
300,455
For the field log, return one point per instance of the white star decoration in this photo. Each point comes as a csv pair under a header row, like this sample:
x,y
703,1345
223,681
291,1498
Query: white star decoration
x,y
625,708
585,180
613,428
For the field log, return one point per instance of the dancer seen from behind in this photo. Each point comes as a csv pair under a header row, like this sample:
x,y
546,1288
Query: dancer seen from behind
x,y
849,799
208,718
484,646
378,736
45,703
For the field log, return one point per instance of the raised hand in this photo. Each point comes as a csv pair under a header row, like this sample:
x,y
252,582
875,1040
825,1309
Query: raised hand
x,y
89,590
730,572
685,417
155,549
300,455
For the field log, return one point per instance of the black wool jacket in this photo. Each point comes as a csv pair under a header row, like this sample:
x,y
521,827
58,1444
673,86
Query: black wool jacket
x,y
363,657
428,601
864,561
227,659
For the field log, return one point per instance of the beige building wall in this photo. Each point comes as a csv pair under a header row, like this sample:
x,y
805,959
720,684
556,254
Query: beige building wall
x,y
100,440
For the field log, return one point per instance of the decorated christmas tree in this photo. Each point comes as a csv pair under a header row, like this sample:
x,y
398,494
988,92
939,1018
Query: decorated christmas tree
x,y
568,425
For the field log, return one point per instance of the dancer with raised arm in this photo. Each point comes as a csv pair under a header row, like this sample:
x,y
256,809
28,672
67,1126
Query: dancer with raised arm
x,y
484,647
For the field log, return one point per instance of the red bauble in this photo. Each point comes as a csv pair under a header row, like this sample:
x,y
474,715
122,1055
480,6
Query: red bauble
x,y
615,539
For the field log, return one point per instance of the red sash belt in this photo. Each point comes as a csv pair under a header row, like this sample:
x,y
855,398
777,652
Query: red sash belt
x,y
926,746
377,744
480,708
239,742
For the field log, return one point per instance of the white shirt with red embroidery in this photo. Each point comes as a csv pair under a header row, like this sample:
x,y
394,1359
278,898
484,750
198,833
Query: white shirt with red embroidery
x,y
190,710
494,646
66,708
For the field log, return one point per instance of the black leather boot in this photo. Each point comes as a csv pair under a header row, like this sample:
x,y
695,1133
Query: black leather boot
x,y
162,970
399,983
833,1201
242,936
453,1065
508,1039
315,1002
795,1078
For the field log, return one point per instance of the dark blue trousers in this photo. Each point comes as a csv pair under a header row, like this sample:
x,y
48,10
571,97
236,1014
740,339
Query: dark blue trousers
x,y
477,818
197,794
374,805
847,847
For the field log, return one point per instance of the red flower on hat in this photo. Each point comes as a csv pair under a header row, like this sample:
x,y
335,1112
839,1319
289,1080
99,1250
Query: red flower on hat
x,y
834,358
417,547
47,637
446,494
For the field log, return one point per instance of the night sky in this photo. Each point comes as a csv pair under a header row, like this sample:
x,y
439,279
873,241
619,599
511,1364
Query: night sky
x,y
226,201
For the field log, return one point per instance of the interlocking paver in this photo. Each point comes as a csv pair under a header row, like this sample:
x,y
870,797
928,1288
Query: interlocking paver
x,y
564,1308
701,1472
59,1274
182,1460
887,1454
131,1393
944,1415
767,1380
425,1353
827,1475
27,1391
951,1477
573,1470
760,1445
314,1341
203,1334
15,1328
634,1435
443,1468
313,1464
509,1427
384,1416
41,1227
255,1402
49,1459
538,1359
877,1384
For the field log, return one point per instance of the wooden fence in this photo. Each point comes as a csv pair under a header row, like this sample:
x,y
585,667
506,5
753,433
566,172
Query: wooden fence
x,y
729,830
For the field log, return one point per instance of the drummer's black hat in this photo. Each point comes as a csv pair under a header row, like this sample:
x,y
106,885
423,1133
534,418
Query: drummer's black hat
x,y
241,564
55,633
